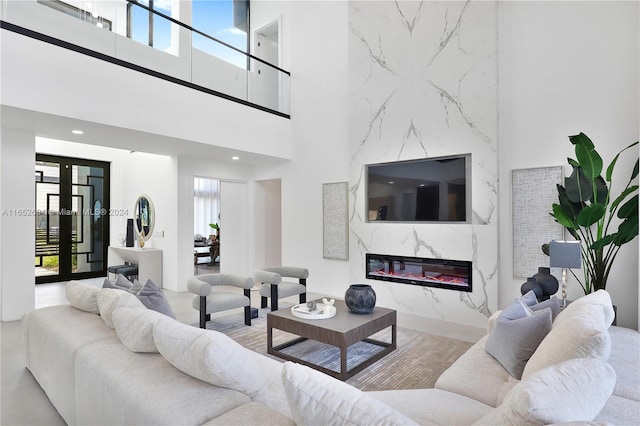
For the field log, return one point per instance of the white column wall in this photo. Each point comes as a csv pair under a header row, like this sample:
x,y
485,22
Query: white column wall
x,y
156,176
17,223
565,68
314,44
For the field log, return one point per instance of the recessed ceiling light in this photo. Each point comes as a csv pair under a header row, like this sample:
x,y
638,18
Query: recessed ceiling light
x,y
77,132
390,182
235,158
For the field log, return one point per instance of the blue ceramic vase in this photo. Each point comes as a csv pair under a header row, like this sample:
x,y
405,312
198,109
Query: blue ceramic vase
x,y
360,298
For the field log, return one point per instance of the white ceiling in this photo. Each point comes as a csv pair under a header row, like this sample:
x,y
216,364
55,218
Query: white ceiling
x,y
58,127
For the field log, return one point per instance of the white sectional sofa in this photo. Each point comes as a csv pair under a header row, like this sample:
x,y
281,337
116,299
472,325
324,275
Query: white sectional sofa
x,y
98,375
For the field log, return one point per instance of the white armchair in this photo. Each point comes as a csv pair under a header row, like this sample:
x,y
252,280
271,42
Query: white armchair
x,y
208,301
275,288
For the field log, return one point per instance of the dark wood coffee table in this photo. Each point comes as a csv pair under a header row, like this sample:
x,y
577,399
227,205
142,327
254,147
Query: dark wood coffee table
x,y
342,331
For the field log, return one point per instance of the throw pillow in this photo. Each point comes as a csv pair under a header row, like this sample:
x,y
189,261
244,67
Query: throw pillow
x,y
111,299
552,303
600,297
516,335
531,301
582,335
574,390
318,399
134,327
122,283
529,298
82,296
209,356
152,297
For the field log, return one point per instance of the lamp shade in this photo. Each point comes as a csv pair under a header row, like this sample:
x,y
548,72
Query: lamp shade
x,y
565,254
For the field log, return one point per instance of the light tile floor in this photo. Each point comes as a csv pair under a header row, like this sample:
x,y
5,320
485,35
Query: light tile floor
x,y
23,402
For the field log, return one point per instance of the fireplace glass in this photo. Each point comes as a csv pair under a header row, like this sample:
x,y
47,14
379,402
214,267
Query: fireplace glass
x,y
441,273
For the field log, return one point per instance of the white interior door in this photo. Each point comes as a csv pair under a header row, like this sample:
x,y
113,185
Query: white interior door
x,y
268,223
267,79
233,228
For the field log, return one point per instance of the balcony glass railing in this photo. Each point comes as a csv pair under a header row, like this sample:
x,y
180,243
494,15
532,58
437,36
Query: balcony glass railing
x,y
135,33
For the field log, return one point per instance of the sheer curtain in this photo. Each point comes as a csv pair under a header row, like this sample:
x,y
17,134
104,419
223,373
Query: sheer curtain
x,y
206,205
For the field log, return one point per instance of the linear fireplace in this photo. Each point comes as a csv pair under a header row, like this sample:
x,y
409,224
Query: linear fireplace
x,y
442,273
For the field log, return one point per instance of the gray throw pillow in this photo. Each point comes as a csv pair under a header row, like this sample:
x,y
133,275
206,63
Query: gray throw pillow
x,y
121,283
152,297
529,298
514,339
532,302
553,303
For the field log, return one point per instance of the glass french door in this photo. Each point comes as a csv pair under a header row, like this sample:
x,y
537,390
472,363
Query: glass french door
x,y
71,218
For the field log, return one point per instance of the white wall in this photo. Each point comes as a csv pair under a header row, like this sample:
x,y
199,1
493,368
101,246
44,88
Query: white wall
x,y
156,176
267,241
314,42
17,224
565,68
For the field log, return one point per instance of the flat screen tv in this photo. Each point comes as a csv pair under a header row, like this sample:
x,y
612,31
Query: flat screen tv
x,y
424,190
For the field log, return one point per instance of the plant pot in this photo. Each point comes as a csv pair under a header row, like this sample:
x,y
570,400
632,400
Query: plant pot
x,y
360,298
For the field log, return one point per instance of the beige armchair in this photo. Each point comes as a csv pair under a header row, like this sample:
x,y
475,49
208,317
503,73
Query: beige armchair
x,y
275,288
208,301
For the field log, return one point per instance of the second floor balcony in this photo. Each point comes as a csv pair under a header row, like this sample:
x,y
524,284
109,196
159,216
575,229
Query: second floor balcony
x,y
158,43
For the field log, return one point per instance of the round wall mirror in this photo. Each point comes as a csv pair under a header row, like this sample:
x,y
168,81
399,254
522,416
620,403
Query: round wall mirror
x,y
144,217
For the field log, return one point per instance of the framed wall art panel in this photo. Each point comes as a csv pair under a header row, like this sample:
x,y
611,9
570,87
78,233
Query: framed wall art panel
x,y
335,220
533,194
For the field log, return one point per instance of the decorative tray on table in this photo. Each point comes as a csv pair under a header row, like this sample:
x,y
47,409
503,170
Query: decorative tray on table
x,y
321,311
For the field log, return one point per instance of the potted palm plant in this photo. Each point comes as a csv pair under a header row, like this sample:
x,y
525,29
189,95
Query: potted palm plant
x,y
216,228
587,209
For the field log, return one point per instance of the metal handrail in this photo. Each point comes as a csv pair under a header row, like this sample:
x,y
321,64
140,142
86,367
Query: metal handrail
x,y
190,28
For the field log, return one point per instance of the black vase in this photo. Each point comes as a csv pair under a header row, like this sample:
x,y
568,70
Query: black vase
x,y
531,284
360,298
129,242
548,282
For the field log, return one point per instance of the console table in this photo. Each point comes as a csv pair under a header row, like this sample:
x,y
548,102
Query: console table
x,y
149,261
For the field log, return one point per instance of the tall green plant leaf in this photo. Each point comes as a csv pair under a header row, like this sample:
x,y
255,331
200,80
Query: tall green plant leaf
x,y
627,231
601,190
562,217
589,159
579,187
572,209
630,208
615,160
603,242
591,214
581,139
622,196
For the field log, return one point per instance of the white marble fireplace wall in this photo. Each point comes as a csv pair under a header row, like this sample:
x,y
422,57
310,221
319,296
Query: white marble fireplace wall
x,y
423,83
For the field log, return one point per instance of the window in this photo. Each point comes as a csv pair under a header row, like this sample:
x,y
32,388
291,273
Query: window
x,y
148,28
225,20
91,14
206,205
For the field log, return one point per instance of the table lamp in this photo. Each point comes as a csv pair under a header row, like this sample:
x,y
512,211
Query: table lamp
x,y
565,254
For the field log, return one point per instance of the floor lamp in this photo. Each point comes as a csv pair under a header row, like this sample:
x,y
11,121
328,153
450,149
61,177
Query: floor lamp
x,y
565,254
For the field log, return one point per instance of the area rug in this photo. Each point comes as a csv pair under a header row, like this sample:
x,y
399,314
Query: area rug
x,y
417,362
